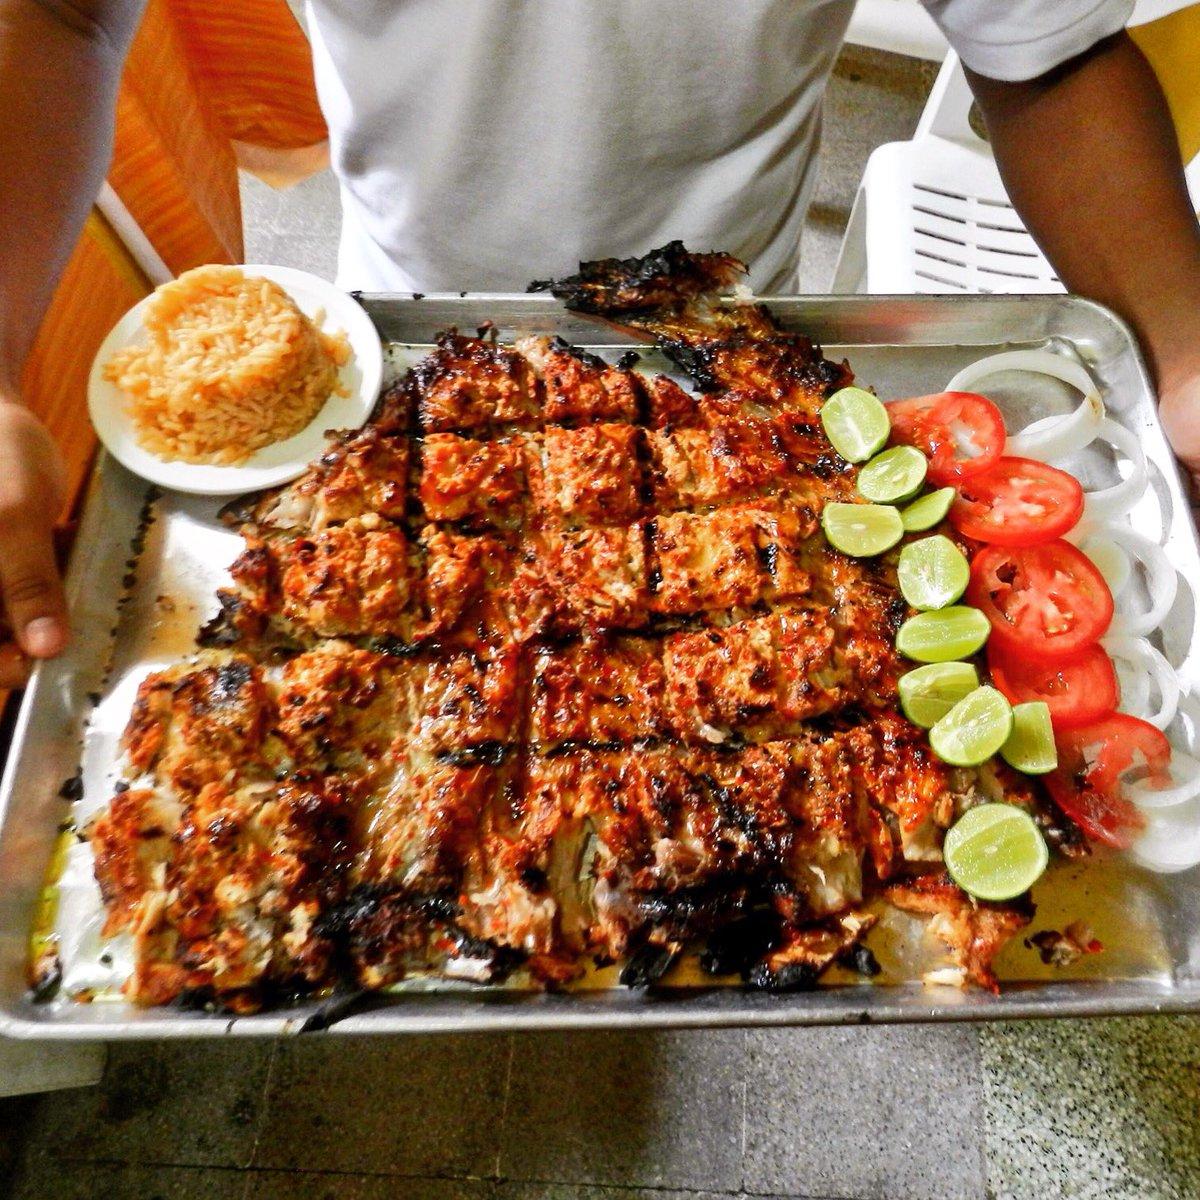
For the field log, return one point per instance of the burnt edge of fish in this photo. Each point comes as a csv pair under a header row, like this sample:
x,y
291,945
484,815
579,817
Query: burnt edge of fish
x,y
666,277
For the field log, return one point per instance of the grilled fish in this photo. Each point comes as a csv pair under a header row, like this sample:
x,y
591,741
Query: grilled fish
x,y
548,665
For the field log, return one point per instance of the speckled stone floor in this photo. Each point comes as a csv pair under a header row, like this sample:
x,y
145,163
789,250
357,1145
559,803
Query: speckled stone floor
x,y
1014,1112
1092,1109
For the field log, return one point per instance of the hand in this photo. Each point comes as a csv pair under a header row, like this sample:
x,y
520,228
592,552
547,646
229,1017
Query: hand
x,y
1179,407
32,490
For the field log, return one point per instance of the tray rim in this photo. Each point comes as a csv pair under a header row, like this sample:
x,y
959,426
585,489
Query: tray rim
x,y
464,1012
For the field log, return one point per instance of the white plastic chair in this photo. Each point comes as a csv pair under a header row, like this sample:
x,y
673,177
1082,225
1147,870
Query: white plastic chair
x,y
932,216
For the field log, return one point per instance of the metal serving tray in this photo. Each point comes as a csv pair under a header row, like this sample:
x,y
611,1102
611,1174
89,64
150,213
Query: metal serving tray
x,y
139,593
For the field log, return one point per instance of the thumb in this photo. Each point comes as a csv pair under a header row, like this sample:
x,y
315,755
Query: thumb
x,y
31,496
1179,409
32,590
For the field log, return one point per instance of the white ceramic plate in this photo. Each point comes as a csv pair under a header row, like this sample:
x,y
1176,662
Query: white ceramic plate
x,y
360,379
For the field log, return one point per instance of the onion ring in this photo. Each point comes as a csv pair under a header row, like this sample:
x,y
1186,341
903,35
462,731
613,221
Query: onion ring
x,y
1171,840
1110,558
1134,685
1187,724
1050,437
1139,651
1118,499
1058,436
1178,792
1162,581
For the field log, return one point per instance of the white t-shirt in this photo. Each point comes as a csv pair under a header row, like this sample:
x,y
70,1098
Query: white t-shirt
x,y
483,143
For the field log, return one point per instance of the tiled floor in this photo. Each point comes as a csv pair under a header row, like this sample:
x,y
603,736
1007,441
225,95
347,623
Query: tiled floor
x,y
1019,1112
834,1113
859,1112
1015,1112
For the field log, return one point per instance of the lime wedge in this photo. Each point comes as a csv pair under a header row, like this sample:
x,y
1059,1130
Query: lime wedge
x,y
932,572
974,729
925,512
995,852
949,633
894,475
927,694
861,530
856,423
1030,747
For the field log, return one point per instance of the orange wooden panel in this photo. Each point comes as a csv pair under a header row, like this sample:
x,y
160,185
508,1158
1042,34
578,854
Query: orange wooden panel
x,y
173,167
254,65
99,284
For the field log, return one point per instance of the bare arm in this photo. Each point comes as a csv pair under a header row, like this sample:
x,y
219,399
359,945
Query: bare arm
x,y
1089,157
60,63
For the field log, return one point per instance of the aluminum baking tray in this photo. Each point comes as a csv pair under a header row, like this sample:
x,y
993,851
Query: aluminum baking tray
x,y
142,579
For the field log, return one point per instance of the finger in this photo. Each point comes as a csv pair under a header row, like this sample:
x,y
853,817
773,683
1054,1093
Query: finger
x,y
1191,483
64,539
14,667
33,595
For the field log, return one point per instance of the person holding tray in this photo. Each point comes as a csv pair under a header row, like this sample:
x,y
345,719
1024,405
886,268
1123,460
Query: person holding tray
x,y
479,143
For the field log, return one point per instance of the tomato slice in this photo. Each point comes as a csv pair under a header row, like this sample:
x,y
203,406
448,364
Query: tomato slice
x,y
1018,502
961,434
1078,691
1047,602
1092,764
1106,818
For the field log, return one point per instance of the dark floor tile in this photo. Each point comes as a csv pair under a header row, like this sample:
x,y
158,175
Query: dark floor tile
x,y
15,1112
290,1185
631,1109
49,1180
181,1103
869,1113
405,1106
573,1191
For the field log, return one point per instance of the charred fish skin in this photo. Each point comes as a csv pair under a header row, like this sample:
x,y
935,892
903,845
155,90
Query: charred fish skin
x,y
722,343
669,277
547,665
